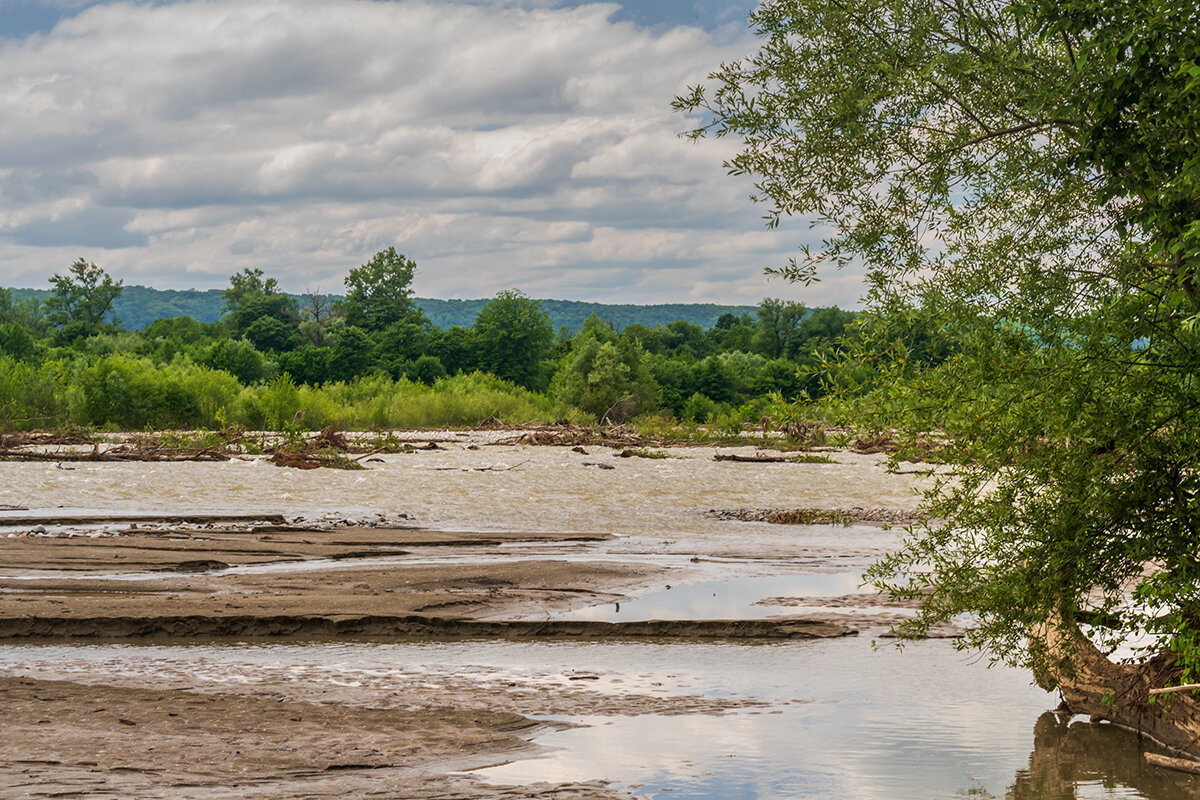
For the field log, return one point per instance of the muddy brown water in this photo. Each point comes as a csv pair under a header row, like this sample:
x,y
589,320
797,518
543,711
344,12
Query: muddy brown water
x,y
545,487
825,719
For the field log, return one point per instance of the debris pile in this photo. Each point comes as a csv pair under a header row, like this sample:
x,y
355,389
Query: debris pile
x,y
817,516
567,434
95,527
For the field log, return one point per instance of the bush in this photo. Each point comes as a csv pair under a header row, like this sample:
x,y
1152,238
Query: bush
x,y
699,408
134,394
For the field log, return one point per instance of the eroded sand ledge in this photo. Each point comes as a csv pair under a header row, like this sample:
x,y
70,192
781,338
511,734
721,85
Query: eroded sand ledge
x,y
334,574
410,628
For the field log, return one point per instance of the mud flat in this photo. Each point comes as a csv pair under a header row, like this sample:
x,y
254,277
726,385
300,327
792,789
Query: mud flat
x,y
67,739
98,740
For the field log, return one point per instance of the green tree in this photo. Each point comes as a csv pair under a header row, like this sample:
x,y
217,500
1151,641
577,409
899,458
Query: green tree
x,y
675,379
246,285
730,333
778,323
82,299
251,297
607,378
513,336
682,338
271,334
351,354
400,344
319,318
165,338
379,293
306,364
713,378
184,330
16,341
238,358
1026,175
455,347
426,369
820,330
27,312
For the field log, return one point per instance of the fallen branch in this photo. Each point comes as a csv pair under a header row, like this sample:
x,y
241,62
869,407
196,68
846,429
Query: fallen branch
x,y
1187,687
750,459
113,455
369,453
493,468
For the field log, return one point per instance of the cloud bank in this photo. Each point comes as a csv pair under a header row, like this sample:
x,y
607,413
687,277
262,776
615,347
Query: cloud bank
x,y
498,144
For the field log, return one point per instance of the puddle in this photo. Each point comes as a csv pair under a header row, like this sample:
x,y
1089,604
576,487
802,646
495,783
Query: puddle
x,y
732,598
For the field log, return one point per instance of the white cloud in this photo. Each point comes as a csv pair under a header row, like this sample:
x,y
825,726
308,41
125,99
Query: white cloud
x,y
498,144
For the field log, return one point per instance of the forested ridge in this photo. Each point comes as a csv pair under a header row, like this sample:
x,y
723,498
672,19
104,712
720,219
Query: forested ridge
x,y
139,306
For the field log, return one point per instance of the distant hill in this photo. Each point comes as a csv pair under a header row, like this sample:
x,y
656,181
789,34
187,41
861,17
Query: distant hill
x,y
138,306
572,313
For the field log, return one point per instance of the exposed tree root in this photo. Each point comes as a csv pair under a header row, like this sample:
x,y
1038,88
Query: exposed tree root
x,y
1120,693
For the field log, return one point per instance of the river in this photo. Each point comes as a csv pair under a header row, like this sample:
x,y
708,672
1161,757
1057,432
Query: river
x,y
852,717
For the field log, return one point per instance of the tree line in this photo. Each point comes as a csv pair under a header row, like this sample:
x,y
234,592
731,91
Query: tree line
x,y
377,331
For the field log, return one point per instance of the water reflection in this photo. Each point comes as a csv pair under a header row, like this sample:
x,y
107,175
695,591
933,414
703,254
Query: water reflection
x,y
730,598
844,721
1072,759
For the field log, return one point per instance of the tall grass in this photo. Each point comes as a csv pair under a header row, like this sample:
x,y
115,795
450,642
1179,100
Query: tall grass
x,y
453,402
120,392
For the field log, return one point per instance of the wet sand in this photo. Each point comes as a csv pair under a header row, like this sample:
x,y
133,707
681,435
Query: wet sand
x,y
65,739
185,574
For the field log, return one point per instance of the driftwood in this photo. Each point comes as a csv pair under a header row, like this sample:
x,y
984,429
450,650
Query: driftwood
x,y
303,460
563,433
1187,687
876,444
117,454
493,468
755,459
14,439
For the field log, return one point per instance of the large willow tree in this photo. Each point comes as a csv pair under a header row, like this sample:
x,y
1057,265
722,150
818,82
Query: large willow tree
x,y
1025,174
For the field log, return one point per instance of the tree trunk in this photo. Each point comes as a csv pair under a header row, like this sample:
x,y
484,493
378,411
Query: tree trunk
x,y
1120,693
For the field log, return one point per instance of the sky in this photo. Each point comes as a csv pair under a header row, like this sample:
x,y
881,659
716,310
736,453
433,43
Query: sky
x,y
500,144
